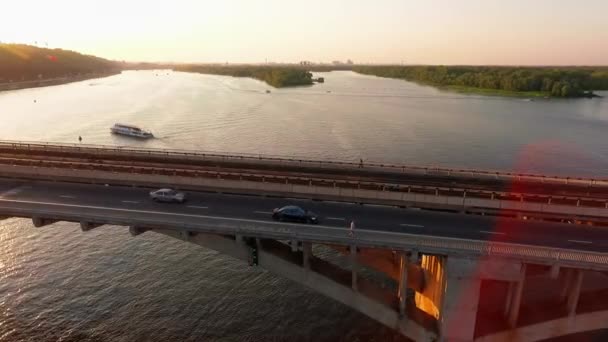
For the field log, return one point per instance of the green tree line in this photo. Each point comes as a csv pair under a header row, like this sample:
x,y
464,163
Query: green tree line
x,y
19,62
547,81
276,76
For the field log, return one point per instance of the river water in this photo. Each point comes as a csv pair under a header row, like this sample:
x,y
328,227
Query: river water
x,y
57,283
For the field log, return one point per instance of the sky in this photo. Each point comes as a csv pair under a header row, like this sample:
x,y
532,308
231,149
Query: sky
x,y
496,32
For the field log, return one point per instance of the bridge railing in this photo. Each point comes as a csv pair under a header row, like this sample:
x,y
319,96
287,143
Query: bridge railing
x,y
304,162
554,208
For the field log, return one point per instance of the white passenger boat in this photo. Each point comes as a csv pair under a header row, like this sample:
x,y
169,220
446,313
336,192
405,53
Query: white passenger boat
x,y
131,131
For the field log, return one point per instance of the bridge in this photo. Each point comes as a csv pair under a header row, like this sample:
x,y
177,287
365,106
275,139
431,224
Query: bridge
x,y
438,254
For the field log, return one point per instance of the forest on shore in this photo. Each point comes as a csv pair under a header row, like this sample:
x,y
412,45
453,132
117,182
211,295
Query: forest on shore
x,y
509,81
20,62
276,76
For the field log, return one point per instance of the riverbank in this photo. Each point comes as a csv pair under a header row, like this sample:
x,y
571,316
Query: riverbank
x,y
276,76
53,81
558,82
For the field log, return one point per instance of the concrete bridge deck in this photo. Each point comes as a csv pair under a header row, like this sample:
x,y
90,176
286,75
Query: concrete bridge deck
x,y
134,203
471,248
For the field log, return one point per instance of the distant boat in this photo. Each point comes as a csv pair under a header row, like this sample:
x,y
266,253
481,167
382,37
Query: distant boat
x,y
131,131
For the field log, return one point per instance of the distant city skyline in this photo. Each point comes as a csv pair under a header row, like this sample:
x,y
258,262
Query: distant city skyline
x,y
466,32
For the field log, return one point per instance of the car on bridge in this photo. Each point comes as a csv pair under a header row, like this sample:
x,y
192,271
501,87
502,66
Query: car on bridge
x,y
294,214
168,196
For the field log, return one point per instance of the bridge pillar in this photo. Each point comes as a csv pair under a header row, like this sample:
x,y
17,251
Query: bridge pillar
x,y
294,245
554,271
354,266
568,277
41,222
461,287
574,292
405,263
240,240
509,298
307,254
134,231
402,294
86,226
516,298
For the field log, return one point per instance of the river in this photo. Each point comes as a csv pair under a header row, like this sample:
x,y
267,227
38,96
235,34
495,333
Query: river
x,y
57,283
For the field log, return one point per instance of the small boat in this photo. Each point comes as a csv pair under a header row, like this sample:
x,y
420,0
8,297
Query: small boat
x,y
131,131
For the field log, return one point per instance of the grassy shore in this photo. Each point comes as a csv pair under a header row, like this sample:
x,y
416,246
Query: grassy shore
x,y
276,76
496,92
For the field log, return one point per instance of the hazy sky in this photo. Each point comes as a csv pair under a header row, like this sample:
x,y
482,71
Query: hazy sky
x,y
379,31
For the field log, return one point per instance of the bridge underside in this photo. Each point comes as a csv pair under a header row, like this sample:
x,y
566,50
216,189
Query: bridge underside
x,y
551,329
422,295
298,264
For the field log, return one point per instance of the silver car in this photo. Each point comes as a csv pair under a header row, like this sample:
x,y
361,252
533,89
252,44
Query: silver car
x,y
168,196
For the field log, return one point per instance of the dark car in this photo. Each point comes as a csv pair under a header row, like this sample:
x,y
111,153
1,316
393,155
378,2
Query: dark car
x,y
294,214
168,196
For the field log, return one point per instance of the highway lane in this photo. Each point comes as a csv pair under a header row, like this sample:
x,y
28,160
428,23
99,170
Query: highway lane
x,y
135,201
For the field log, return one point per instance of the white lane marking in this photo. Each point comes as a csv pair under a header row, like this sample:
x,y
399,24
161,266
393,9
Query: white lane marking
x,y
14,191
489,232
581,241
263,212
133,202
411,225
336,218
66,196
197,207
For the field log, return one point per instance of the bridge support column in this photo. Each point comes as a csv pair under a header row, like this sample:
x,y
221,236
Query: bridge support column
x,y
509,299
516,298
134,231
568,277
574,292
354,266
86,226
554,271
294,245
41,222
405,262
240,240
460,300
307,254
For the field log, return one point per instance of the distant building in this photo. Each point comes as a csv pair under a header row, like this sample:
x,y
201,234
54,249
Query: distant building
x,y
350,62
305,63
336,62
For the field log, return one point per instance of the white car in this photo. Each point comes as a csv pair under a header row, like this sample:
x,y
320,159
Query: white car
x,y
168,196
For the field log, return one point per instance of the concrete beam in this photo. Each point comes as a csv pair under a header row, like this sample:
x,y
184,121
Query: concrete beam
x,y
294,245
516,299
554,271
137,230
509,298
354,265
314,280
459,304
307,254
86,226
574,292
551,329
567,283
403,273
41,222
